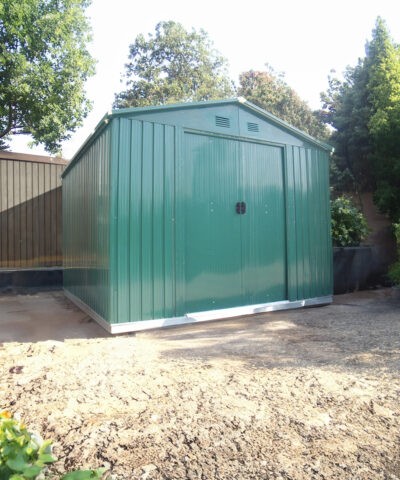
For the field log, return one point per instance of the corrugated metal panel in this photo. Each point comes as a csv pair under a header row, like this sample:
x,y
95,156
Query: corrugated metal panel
x,y
151,229
263,225
142,226
212,228
233,258
308,222
86,225
30,211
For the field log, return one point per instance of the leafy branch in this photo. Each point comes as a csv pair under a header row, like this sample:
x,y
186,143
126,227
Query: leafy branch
x,y
25,456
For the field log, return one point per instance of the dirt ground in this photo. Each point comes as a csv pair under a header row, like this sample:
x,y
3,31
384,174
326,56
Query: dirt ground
x,y
301,394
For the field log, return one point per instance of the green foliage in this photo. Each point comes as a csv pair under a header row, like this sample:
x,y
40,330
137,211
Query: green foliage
x,y
345,109
349,226
364,110
24,456
44,64
394,270
268,90
173,65
384,123
3,144
394,273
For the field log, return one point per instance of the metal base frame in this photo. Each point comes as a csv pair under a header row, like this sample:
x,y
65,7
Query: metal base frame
x,y
197,316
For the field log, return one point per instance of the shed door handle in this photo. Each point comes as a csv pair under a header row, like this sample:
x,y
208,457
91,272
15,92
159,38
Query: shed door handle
x,y
240,208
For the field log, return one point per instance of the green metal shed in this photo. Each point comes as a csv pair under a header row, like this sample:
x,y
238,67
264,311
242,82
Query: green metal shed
x,y
197,211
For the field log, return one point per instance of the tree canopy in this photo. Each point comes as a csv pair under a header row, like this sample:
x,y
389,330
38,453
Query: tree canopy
x,y
3,145
176,65
364,110
44,64
173,65
268,90
384,121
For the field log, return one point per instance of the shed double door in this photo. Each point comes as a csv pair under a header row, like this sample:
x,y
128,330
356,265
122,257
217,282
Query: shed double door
x,y
235,245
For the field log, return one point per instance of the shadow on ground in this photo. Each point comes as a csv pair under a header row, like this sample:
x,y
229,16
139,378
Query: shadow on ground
x,y
37,316
358,330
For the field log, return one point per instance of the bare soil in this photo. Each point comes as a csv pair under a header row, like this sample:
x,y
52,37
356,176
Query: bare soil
x,y
302,394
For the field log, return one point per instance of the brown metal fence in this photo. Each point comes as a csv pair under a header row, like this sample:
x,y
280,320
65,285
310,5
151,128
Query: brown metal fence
x,y
30,210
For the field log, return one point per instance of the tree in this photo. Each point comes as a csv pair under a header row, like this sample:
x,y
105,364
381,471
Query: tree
x,y
173,65
268,90
346,109
44,64
364,110
384,122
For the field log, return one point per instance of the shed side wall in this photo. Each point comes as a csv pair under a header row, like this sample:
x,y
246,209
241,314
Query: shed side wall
x,y
86,226
30,213
143,216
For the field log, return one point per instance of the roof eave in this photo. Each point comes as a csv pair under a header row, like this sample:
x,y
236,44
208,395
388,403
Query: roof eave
x,y
181,105
104,121
284,124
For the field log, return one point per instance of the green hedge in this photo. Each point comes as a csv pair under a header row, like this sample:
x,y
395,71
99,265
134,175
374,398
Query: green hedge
x,y
349,227
394,270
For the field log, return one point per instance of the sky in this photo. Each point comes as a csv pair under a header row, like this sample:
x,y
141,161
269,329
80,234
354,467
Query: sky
x,y
304,39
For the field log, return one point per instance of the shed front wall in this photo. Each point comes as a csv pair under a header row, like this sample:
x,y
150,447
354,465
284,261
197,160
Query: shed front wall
x,y
142,249
228,119
151,243
309,245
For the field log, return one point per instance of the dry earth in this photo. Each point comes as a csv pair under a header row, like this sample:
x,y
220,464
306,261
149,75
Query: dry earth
x,y
305,394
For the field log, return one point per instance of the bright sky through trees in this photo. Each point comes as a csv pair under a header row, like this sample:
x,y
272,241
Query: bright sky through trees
x,y
303,39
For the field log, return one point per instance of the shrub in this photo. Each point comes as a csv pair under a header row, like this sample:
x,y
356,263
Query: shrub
x,y
394,270
25,456
349,227
22,455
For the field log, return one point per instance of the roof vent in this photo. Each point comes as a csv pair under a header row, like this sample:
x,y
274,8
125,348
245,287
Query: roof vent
x,y
222,122
253,127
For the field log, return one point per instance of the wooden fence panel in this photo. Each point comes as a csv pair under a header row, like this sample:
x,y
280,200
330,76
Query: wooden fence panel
x,y
30,210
